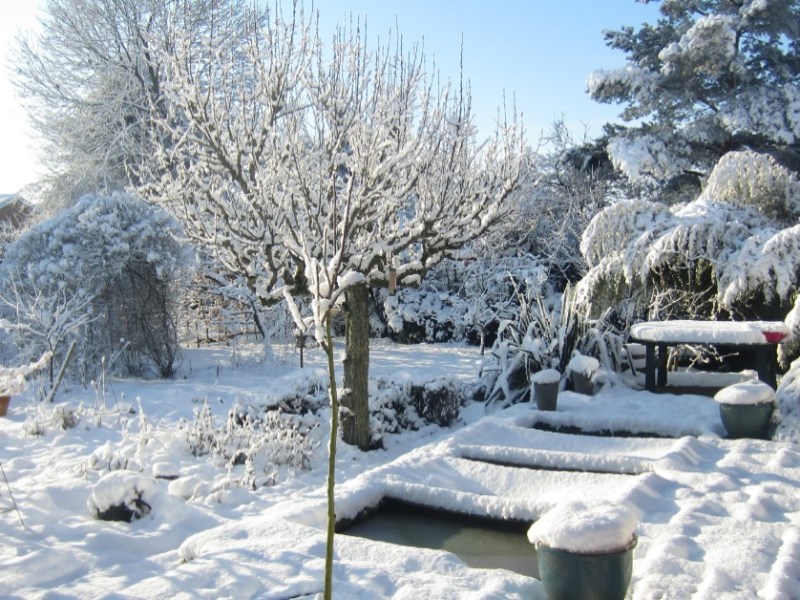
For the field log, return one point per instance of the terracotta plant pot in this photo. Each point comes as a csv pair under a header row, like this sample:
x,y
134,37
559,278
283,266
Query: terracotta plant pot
x,y
546,395
746,420
569,575
4,401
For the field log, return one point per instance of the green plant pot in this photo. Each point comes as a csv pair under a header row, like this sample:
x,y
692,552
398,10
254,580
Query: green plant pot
x,y
746,420
582,383
546,395
585,576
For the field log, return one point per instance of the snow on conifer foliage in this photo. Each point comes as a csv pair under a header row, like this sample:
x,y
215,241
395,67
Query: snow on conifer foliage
x,y
702,259
98,274
708,78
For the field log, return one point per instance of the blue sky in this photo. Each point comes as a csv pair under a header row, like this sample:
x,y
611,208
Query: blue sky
x,y
536,52
539,52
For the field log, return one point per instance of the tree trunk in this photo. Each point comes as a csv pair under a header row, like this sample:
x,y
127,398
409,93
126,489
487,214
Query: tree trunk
x,y
331,530
355,400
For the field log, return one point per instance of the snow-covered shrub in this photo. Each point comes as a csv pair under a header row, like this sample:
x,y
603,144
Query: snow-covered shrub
x,y
414,316
438,401
705,259
748,178
396,406
262,437
100,272
546,336
462,300
122,496
202,434
110,458
786,416
43,417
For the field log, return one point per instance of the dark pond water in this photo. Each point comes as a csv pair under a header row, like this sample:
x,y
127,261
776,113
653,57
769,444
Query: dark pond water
x,y
479,542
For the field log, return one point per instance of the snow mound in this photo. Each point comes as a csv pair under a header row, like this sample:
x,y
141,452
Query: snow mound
x,y
585,526
122,496
583,364
546,376
747,392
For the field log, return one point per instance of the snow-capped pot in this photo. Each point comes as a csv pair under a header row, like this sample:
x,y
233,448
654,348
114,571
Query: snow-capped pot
x,y
585,550
746,409
585,526
585,365
753,391
581,371
546,376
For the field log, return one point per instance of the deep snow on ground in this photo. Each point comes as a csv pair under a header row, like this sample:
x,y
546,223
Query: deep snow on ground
x,y
717,518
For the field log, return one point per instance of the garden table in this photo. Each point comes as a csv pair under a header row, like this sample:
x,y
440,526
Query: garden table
x,y
762,337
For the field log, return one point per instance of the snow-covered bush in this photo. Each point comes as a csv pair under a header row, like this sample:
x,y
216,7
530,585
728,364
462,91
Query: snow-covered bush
x,y
100,273
262,437
786,416
414,316
463,300
438,401
546,336
705,259
747,178
122,496
396,406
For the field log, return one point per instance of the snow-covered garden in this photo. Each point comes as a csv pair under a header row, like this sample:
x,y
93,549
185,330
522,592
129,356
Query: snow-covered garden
x,y
275,284
715,518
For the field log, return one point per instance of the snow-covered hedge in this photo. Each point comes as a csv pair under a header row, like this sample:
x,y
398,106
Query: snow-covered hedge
x,y
463,300
100,274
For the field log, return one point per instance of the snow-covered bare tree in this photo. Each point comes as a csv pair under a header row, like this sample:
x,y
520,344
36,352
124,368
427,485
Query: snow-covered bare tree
x,y
89,77
710,77
316,169
571,179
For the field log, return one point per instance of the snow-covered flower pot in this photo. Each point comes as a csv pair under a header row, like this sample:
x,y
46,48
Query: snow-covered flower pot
x,y
582,369
545,388
585,550
746,409
4,402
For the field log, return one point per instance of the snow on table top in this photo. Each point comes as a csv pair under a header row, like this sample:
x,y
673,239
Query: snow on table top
x,y
707,332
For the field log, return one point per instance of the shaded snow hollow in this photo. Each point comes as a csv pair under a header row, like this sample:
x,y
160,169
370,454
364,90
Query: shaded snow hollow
x,y
715,518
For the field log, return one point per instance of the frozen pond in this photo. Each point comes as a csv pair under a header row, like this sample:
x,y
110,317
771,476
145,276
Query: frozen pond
x,y
479,542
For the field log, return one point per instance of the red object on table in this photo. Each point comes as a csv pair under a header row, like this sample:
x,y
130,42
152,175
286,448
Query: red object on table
x,y
774,337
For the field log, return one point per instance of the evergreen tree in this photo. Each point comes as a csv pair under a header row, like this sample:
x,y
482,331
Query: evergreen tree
x,y
710,77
